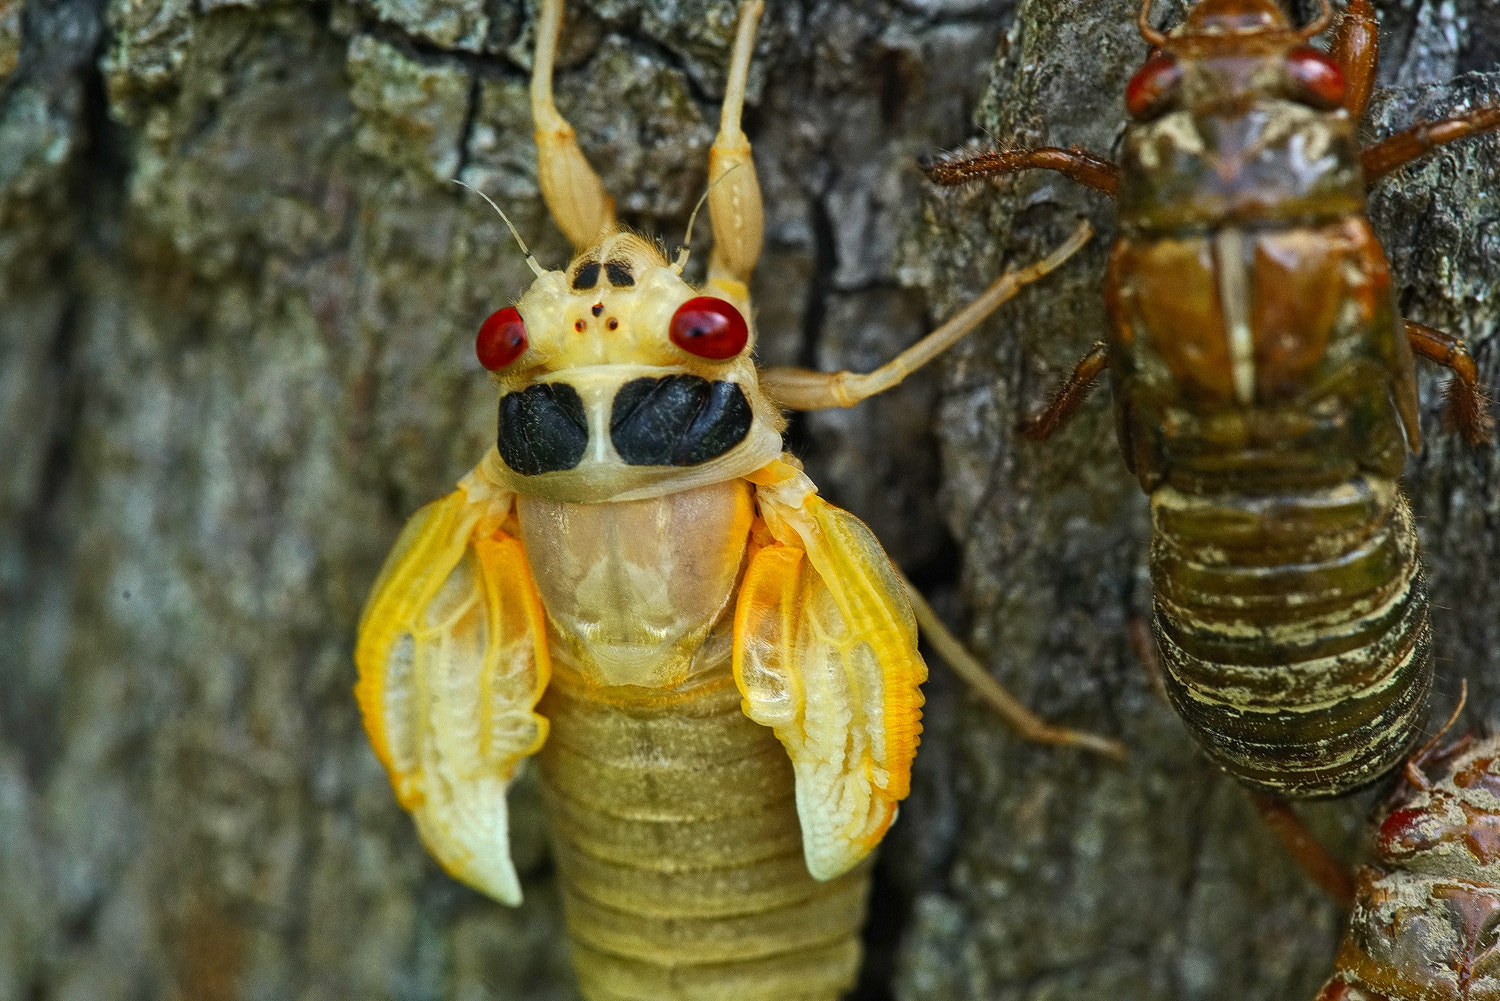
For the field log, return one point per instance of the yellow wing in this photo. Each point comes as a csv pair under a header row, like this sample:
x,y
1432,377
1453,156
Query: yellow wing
x,y
825,653
452,659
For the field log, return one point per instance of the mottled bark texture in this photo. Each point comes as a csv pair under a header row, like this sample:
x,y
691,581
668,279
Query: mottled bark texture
x,y
239,295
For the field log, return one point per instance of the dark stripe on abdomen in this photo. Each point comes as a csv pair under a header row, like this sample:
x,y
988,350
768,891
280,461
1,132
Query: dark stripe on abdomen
x,y
674,827
1293,631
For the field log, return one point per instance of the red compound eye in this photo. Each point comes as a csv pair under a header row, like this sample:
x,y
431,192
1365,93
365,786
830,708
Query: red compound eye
x,y
1153,87
501,339
709,328
1318,78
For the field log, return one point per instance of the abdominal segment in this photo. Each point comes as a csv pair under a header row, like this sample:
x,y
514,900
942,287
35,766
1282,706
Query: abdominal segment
x,y
674,826
1293,630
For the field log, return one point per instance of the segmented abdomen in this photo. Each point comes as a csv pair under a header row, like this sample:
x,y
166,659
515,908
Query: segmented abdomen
x,y
1293,630
675,831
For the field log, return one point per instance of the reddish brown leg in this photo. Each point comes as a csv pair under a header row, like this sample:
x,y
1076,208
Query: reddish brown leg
x,y
1085,168
1355,48
1144,645
1430,754
1467,410
1069,396
1309,853
1405,146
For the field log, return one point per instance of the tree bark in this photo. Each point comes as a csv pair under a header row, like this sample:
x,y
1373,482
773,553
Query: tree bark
x,y
240,292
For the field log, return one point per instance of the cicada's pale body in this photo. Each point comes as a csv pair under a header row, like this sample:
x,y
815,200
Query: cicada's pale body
x,y
1265,392
716,668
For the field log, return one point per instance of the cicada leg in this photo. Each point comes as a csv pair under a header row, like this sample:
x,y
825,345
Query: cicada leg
x,y
1075,164
1306,850
1068,397
734,206
1408,144
1356,48
805,389
574,194
1027,724
1467,407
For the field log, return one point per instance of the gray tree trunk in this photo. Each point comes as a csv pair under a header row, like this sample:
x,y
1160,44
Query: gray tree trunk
x,y
239,298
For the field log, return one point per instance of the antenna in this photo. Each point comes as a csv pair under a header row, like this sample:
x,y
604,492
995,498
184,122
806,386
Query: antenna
x,y
682,252
530,258
1323,20
1149,33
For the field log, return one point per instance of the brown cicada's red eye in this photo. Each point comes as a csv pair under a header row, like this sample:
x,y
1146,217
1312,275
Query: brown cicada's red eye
x,y
501,339
1154,86
1319,80
709,328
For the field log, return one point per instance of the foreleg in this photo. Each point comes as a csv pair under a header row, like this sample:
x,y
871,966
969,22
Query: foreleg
x,y
805,389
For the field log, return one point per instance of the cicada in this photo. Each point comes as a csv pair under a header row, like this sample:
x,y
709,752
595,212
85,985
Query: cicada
x,y
716,669
1427,912
1264,388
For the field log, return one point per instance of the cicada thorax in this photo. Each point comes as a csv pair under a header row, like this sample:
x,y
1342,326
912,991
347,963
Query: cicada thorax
x,y
672,815
1425,921
1262,377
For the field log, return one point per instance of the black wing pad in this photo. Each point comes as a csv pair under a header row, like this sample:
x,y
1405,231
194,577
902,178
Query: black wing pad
x,y
543,428
679,420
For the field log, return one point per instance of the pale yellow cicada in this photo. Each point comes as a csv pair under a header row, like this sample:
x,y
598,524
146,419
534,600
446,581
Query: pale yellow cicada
x,y
716,668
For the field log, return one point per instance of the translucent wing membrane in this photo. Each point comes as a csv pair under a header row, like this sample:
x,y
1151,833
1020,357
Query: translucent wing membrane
x,y
452,660
826,655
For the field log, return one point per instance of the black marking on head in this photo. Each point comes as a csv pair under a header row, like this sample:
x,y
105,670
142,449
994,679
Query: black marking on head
x,y
542,428
598,308
586,277
618,273
679,420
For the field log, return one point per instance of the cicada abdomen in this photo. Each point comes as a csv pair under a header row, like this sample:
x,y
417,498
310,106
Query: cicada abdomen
x,y
1427,914
1329,682
1264,389
674,829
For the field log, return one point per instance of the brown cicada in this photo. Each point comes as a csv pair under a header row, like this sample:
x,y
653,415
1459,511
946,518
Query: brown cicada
x,y
1264,389
716,669
1427,914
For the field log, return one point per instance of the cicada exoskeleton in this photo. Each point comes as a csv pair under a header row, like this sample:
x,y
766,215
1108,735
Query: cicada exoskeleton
x,y
716,669
1264,389
1427,914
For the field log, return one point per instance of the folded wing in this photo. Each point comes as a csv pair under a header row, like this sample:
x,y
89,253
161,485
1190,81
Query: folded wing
x,y
452,660
825,654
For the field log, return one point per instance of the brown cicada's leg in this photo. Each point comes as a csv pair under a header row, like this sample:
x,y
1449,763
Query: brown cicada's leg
x,y
575,196
1143,644
1431,753
1356,47
1308,852
734,205
1027,724
1467,408
1405,146
1085,168
805,389
1068,397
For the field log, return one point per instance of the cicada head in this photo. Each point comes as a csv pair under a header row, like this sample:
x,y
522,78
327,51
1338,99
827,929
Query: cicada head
x,y
620,380
1236,118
